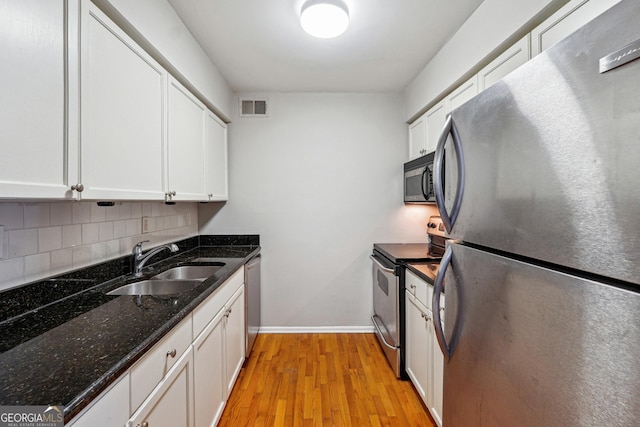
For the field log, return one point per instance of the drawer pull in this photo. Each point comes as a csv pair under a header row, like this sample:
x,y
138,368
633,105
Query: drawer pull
x,y
171,353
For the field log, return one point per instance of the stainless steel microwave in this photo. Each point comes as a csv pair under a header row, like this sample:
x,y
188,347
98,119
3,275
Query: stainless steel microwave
x,y
418,180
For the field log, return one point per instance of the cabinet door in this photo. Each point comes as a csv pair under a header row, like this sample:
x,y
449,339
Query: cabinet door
x,y
171,402
508,61
155,364
438,378
32,111
209,386
462,94
565,21
111,408
186,121
417,138
234,337
121,120
215,168
435,117
419,344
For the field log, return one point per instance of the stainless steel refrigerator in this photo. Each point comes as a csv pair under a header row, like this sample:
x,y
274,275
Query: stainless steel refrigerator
x,y
541,193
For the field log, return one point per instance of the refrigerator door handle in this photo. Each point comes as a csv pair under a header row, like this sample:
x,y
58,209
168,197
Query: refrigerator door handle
x,y
435,302
438,161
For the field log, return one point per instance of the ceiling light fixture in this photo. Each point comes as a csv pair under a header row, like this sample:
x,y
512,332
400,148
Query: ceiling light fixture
x,y
324,18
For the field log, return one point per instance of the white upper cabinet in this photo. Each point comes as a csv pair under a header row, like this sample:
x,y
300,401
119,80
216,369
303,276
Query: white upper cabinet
x,y
462,94
185,145
425,131
121,113
32,110
435,117
215,169
418,137
565,21
508,61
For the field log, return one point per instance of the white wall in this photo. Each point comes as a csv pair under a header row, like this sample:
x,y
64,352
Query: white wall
x,y
488,28
159,24
320,180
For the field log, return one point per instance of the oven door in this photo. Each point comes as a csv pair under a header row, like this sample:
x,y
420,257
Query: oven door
x,y
386,310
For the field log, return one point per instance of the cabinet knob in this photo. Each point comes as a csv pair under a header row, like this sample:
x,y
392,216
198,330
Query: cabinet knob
x,y
210,195
144,424
172,193
78,187
171,353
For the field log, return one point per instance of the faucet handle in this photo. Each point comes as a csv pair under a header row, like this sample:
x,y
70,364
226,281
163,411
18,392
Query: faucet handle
x,y
137,249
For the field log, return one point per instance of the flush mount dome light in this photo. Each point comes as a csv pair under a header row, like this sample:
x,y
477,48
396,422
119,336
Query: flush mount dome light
x,y
324,18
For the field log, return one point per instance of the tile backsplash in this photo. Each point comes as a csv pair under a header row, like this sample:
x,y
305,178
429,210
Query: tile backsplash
x,y
42,239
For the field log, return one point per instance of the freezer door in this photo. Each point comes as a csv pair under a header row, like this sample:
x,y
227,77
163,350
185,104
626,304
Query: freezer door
x,y
551,155
533,347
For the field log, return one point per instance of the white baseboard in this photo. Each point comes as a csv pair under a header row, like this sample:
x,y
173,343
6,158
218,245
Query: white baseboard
x,y
316,329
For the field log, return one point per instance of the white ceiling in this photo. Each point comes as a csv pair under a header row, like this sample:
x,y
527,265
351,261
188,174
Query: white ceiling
x,y
259,46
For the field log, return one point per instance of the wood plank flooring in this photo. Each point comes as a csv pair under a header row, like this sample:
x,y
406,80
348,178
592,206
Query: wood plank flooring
x,y
321,380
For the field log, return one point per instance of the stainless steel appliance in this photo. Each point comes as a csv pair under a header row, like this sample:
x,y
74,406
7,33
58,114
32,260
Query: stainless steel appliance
x,y
543,283
252,301
418,180
389,264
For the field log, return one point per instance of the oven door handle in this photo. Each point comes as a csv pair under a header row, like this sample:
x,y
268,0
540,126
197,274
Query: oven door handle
x,y
382,267
375,324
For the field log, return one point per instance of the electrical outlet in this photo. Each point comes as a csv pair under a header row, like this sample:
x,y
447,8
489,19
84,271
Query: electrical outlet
x,y
145,224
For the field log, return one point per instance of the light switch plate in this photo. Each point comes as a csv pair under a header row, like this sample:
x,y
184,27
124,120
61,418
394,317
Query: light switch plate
x,y
1,240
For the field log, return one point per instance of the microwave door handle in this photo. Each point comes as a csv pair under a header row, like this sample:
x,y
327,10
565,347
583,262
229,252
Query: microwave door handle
x,y
423,180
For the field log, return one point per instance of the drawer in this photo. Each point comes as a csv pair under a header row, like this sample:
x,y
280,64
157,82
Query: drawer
x,y
207,310
154,365
419,288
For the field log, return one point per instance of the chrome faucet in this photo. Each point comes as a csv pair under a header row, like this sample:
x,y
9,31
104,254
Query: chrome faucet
x,y
139,260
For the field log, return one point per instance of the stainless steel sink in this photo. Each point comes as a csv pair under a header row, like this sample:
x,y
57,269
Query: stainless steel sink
x,y
199,272
156,287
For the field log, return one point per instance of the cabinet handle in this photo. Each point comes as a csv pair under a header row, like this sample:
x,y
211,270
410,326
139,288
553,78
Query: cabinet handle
x,y
412,286
78,187
210,195
144,424
171,353
172,193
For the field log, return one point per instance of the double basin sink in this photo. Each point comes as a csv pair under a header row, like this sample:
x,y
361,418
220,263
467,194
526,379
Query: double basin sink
x,y
173,281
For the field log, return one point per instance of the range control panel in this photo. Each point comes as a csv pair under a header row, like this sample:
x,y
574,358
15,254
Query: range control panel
x,y
435,226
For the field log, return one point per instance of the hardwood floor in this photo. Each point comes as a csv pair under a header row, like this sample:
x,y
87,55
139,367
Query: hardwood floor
x,y
321,380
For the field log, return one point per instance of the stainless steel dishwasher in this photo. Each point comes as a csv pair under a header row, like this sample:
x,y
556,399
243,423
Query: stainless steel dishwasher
x,y
252,301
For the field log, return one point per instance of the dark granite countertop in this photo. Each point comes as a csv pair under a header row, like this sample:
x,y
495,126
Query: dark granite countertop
x,y
63,340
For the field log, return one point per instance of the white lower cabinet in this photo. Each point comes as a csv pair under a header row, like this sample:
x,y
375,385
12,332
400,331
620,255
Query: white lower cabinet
x,y
170,404
111,409
419,345
424,360
186,378
219,354
209,384
234,338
